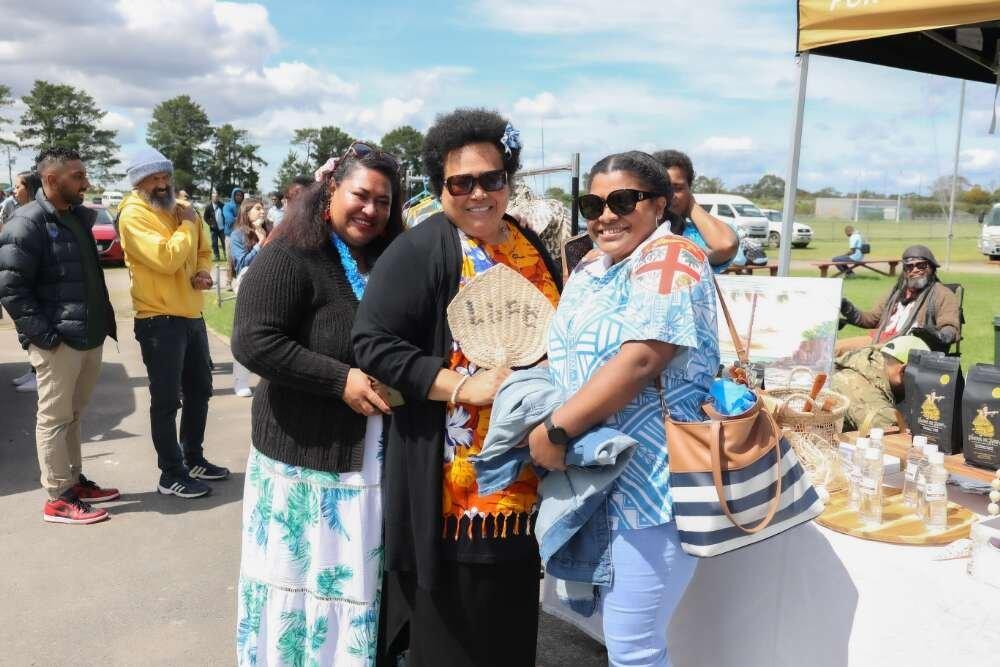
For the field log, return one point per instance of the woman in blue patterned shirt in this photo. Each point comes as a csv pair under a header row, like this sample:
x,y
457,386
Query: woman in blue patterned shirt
x,y
638,308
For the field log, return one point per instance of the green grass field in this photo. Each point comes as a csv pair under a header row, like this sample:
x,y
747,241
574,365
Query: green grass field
x,y
889,239
219,319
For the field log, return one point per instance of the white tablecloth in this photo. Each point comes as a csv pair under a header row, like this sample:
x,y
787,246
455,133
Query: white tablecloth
x,y
815,598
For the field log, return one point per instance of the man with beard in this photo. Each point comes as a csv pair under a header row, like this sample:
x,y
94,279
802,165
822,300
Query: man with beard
x,y
919,304
52,285
167,251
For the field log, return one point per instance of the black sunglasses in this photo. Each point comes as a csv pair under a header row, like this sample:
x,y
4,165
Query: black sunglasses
x,y
916,266
462,184
361,150
621,202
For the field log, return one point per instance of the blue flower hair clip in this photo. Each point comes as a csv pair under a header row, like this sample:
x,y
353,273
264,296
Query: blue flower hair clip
x,y
511,139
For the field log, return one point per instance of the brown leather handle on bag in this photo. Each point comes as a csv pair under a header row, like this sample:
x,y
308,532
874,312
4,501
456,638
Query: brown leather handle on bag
x,y
716,452
741,351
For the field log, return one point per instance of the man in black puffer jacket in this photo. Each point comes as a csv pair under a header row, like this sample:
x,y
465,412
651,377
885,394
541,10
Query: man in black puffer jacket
x,y
52,285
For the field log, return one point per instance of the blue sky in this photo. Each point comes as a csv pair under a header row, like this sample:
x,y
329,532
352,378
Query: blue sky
x,y
713,78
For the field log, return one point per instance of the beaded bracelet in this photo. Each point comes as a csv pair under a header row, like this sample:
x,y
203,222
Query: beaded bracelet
x,y
454,392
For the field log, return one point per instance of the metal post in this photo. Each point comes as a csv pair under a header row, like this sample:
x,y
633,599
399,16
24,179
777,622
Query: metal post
x,y
574,188
792,176
996,341
954,177
218,286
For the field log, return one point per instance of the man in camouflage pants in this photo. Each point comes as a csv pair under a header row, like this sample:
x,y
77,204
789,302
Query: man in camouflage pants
x,y
872,378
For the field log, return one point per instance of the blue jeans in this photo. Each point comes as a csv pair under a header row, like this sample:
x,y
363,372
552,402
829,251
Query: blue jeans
x,y
175,351
651,574
844,263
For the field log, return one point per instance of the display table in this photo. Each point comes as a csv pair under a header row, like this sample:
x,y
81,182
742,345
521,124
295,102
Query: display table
x,y
818,598
898,444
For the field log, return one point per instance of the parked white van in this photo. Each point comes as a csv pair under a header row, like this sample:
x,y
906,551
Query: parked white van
x,y
111,198
989,236
738,210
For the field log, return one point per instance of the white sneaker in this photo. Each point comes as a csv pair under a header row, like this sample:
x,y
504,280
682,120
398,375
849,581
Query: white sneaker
x,y
29,386
21,379
244,392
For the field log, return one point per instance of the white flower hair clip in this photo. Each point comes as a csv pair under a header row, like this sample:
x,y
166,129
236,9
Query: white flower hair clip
x,y
511,139
328,168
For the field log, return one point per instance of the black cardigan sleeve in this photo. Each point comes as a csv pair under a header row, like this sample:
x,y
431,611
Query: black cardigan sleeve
x,y
273,299
398,309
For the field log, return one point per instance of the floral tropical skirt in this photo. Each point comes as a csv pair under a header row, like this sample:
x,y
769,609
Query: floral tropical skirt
x,y
311,567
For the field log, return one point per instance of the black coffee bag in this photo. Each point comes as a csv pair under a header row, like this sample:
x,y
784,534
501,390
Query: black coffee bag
x,y
910,386
981,416
934,403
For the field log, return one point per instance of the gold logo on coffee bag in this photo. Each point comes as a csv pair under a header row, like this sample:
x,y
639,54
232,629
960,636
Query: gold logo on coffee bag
x,y
929,409
981,425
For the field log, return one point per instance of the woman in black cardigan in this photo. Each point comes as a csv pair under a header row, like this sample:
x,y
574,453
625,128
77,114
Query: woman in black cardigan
x,y
461,568
310,573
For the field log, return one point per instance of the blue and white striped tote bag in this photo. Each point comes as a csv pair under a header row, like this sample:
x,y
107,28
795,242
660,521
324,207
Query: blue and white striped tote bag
x,y
735,481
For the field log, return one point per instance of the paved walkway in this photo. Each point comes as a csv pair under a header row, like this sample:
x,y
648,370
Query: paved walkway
x,y
155,584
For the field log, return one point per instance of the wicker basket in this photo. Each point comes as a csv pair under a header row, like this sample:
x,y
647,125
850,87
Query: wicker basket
x,y
814,434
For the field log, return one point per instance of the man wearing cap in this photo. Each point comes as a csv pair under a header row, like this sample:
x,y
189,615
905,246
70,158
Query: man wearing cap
x,y
918,304
167,252
872,378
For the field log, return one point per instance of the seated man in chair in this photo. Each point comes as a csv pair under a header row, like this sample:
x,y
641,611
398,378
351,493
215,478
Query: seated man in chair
x,y
919,304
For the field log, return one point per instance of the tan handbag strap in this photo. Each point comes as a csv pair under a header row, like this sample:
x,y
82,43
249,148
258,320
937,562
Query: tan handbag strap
x,y
741,350
716,451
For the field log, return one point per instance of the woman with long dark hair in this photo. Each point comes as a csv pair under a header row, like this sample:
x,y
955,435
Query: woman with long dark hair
x,y
462,567
249,234
310,575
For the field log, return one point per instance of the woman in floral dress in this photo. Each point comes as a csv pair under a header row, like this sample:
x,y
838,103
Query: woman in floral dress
x,y
311,568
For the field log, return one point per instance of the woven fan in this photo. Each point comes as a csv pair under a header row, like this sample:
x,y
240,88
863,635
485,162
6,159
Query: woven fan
x,y
500,319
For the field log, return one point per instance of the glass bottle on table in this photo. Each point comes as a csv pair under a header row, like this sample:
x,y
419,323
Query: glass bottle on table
x,y
914,457
936,494
871,488
922,480
854,474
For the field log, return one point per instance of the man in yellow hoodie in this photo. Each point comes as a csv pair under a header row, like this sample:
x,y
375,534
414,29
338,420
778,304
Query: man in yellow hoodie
x,y
168,257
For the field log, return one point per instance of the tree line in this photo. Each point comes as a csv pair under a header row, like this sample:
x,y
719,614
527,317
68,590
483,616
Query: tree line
x,y
205,156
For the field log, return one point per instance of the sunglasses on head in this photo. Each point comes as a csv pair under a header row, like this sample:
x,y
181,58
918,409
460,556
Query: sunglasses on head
x,y
361,150
916,266
463,184
621,202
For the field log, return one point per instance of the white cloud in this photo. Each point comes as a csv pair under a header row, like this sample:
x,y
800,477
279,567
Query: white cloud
x,y
726,144
979,159
542,105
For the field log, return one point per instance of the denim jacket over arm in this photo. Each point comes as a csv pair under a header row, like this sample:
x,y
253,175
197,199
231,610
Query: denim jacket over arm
x,y
572,528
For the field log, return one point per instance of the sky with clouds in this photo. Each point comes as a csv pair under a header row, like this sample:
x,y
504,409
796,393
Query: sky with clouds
x,y
714,78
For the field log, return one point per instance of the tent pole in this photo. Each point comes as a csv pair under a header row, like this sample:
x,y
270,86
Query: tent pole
x,y
792,176
954,177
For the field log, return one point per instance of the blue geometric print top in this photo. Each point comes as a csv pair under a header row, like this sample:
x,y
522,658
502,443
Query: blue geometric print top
x,y
663,291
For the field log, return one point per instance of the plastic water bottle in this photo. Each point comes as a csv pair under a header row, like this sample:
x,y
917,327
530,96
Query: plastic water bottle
x,y
922,480
871,488
914,458
936,494
854,474
875,437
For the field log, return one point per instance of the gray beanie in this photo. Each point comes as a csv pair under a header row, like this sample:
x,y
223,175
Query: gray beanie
x,y
921,252
147,162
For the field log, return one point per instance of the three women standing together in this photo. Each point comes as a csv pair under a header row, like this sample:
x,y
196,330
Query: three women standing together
x,y
359,544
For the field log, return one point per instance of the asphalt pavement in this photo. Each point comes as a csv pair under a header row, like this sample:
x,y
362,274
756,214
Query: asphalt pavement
x,y
155,584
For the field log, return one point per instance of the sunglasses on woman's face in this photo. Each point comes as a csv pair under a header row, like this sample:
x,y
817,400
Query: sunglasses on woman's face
x,y
462,184
621,202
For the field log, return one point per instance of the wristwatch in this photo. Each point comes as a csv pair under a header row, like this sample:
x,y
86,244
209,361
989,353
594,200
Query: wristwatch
x,y
557,434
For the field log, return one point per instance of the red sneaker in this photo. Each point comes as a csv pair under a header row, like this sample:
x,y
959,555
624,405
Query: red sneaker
x,y
89,492
66,509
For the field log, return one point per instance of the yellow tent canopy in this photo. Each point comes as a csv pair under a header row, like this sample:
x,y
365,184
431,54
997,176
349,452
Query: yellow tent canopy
x,y
955,38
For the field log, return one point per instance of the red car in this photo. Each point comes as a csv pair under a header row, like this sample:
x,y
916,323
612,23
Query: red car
x,y
109,248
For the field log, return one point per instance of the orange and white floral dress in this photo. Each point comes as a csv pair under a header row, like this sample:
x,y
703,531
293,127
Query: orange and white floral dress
x,y
509,511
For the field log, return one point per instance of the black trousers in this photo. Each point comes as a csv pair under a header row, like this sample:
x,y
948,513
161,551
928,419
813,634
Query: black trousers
x,y
175,351
480,616
218,242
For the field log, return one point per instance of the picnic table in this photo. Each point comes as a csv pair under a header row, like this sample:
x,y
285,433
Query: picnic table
x,y
750,269
870,264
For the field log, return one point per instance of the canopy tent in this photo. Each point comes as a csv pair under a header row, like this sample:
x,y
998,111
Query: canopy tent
x,y
954,38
